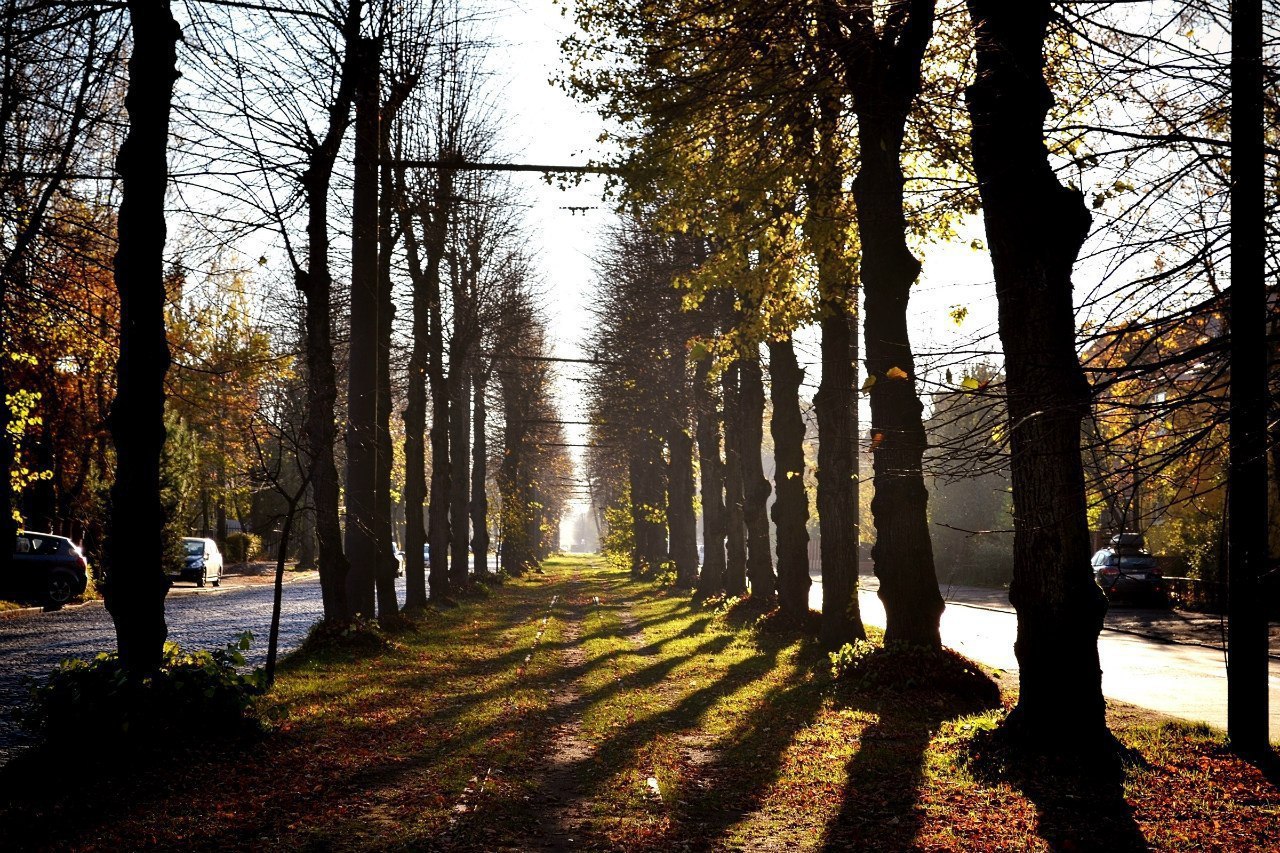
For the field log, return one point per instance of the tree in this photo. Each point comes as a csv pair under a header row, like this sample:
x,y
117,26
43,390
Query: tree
x,y
791,509
756,494
881,53
1247,680
136,584
1035,227
57,87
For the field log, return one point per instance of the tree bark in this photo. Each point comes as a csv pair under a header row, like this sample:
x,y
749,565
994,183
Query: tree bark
x,y
711,470
438,510
460,459
755,485
1035,228
835,403
386,564
315,282
479,476
362,362
136,583
735,579
648,503
1247,520
903,553
882,72
791,509
682,524
837,497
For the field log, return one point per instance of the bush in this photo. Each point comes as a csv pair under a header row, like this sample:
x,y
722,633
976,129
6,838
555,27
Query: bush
x,y
201,691
239,547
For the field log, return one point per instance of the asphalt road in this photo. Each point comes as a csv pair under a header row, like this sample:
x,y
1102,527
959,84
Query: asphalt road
x,y
1165,660
32,645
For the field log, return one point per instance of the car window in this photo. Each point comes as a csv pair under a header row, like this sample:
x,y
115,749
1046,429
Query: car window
x,y
194,547
22,545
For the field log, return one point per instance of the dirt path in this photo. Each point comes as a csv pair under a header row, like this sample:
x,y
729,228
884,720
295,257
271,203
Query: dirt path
x,y
561,803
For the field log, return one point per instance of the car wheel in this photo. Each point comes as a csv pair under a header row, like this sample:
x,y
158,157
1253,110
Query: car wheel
x,y
218,580
60,588
200,580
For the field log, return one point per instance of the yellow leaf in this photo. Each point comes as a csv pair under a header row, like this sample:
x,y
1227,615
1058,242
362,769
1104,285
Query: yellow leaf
x,y
969,384
895,373
866,386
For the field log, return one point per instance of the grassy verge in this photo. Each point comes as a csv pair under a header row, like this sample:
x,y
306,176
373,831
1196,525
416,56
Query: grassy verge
x,y
688,730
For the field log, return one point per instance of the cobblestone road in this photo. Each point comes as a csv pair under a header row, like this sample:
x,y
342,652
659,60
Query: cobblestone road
x,y
32,645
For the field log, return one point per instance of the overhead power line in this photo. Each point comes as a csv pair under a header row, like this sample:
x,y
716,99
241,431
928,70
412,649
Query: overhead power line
x,y
516,357
561,444
461,165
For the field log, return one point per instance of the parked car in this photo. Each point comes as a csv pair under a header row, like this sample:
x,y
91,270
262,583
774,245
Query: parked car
x,y
203,563
45,568
1129,574
398,552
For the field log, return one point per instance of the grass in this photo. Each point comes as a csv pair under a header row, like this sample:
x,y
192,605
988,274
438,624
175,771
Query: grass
x,y
583,704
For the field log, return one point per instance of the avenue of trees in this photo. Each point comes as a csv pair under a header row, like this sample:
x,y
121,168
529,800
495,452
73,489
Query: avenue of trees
x,y
785,165
248,269
229,298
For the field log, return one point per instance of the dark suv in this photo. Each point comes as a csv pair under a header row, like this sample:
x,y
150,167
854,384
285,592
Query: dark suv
x,y
1127,571
45,568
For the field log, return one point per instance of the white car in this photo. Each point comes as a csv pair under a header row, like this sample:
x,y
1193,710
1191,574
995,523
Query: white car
x,y
203,563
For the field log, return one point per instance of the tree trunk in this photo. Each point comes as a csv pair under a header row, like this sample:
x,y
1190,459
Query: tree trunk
x,y
362,372
755,485
513,482
682,523
791,509
479,476
837,496
460,461
649,498
316,284
438,510
882,58
8,525
386,565
711,578
1247,520
735,579
136,583
1035,228
903,552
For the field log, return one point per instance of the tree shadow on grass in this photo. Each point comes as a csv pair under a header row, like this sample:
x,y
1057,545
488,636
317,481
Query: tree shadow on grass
x,y
741,767
1079,805
911,692
883,778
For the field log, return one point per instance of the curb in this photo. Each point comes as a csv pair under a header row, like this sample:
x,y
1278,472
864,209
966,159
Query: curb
x,y
23,612
33,611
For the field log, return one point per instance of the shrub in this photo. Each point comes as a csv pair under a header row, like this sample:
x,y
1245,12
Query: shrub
x,y
239,547
200,691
